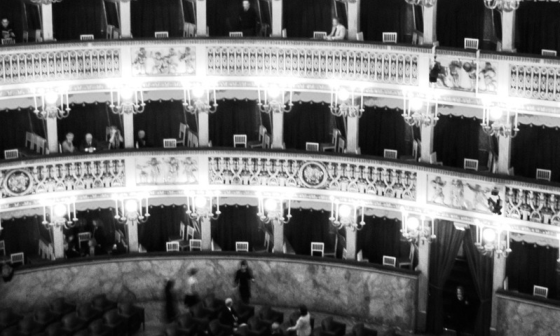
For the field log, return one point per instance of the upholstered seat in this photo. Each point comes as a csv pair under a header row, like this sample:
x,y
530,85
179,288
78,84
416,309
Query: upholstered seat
x,y
97,328
11,331
212,306
186,323
28,326
115,322
218,329
134,317
8,318
244,311
361,330
60,307
258,327
44,317
87,314
55,329
200,314
329,327
102,304
71,323
269,316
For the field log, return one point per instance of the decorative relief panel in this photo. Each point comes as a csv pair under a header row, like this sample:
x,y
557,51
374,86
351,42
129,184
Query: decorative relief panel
x,y
533,206
358,178
378,66
166,170
57,65
58,177
464,194
464,75
535,82
163,61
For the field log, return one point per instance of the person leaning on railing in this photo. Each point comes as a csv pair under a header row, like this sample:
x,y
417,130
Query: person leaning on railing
x,y
338,31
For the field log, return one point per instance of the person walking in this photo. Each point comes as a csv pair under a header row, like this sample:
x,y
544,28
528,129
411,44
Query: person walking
x,y
243,279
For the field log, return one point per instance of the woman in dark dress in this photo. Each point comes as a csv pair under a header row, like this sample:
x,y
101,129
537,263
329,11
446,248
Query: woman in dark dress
x,y
243,279
170,304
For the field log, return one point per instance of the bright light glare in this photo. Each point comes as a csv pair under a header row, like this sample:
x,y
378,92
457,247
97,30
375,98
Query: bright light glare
x,y
489,235
51,98
344,211
496,113
60,210
198,92
416,104
126,93
200,201
131,206
343,95
412,223
270,205
273,92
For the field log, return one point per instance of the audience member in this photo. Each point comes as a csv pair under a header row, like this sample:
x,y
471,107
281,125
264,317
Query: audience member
x,y
70,247
338,31
98,236
7,31
114,138
68,144
7,272
170,303
191,293
120,246
248,20
303,324
89,145
460,312
142,141
229,315
243,279
275,330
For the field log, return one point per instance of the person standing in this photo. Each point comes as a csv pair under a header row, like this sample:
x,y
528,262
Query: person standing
x,y
303,324
243,279
170,304
248,20
460,312
191,293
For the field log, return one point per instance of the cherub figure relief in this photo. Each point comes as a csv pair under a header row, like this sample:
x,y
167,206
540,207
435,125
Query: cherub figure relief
x,y
189,167
479,197
150,172
438,197
458,195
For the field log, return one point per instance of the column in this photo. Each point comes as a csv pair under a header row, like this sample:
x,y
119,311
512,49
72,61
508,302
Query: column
x,y
47,18
353,19
351,243
201,25
352,135
504,155
430,14
128,130
423,283
203,130
277,18
427,144
497,283
206,233
58,242
132,231
52,135
508,31
125,21
278,236
277,130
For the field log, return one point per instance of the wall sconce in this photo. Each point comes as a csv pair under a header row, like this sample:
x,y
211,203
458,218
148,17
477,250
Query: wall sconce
x,y
342,215
62,213
271,99
129,100
196,98
272,209
343,102
489,240
131,209
494,123
413,109
200,206
52,104
414,229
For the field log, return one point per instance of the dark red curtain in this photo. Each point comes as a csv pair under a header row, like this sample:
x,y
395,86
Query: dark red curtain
x,y
459,19
382,236
307,122
529,265
456,139
22,235
79,17
537,26
164,222
14,11
302,18
160,120
237,223
379,16
14,124
112,13
189,11
306,226
150,16
383,128
234,117
536,147
443,252
222,16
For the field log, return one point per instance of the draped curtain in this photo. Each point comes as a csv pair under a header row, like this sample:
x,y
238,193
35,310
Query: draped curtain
x,y
164,222
160,120
14,124
529,265
151,16
306,226
537,26
382,236
307,122
112,13
442,257
384,128
341,13
536,147
222,16
302,18
189,11
234,117
79,17
379,16
481,268
237,223
13,10
456,139
22,235
459,19
33,16
88,118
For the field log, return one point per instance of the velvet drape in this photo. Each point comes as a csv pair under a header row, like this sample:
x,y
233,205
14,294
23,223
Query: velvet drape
x,y
151,16
112,13
537,26
459,19
442,257
164,222
307,122
161,120
341,13
14,124
79,17
234,117
306,226
302,18
529,265
189,11
222,16
383,128
14,11
22,235
33,16
536,147
382,236
456,139
481,268
237,223
379,16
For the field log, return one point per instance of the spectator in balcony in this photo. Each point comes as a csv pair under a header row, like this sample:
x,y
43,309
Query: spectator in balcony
x,y
89,145
99,238
459,312
248,20
243,279
68,144
142,141
7,31
114,138
338,31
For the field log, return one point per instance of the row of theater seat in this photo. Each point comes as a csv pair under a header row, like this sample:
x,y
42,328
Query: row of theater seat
x,y
100,317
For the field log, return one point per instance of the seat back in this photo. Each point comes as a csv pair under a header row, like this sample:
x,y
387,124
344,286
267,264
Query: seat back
x,y
360,36
189,30
262,131
240,139
109,32
546,52
17,258
319,35
161,34
182,133
266,141
195,245
317,248
190,232
471,43
172,246
470,164
540,291
169,143
360,256
389,261
284,33
389,37
390,154
3,247
29,140
235,34
41,145
341,148
544,174
312,146
182,229
8,41
86,37
11,154
83,237
241,246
